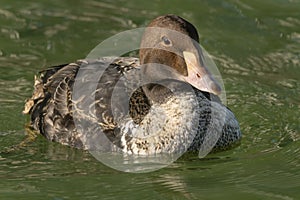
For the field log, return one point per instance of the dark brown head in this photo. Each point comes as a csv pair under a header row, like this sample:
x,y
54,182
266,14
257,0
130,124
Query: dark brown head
x,y
172,41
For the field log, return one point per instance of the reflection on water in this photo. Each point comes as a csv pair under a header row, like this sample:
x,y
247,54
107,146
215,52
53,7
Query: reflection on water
x,y
256,46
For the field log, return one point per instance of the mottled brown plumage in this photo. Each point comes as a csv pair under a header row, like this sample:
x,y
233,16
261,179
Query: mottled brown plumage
x,y
191,118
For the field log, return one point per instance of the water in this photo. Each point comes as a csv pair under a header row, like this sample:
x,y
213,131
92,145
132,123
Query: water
x,y
256,45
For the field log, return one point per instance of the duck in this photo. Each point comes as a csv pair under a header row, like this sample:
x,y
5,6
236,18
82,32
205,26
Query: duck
x,y
170,98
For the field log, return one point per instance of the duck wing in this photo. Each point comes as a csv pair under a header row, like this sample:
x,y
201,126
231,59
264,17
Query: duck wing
x,y
51,105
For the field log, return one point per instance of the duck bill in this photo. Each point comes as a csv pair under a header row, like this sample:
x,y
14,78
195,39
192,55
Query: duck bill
x,y
199,76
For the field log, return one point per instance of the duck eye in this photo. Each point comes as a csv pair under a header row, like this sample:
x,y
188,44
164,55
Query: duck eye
x,y
166,41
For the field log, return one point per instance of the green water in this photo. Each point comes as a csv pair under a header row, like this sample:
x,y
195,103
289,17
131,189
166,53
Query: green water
x,y
256,45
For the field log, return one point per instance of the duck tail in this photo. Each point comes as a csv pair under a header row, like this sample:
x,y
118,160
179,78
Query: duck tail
x,y
38,92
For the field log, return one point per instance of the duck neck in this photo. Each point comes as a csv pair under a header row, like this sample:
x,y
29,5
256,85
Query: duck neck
x,y
144,97
157,93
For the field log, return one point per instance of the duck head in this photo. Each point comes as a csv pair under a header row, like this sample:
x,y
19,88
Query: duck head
x,y
174,42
